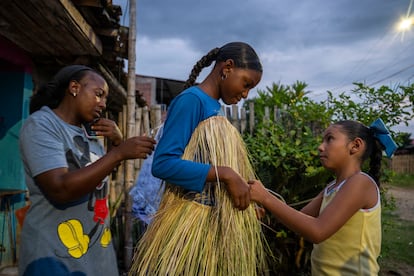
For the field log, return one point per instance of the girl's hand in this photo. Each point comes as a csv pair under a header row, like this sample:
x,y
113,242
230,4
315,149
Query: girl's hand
x,y
108,128
258,192
260,212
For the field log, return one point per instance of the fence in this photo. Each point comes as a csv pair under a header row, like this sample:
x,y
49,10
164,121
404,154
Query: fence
x,y
146,120
238,117
403,164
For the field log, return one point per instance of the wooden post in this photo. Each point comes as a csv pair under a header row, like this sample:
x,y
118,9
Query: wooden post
x,y
138,132
116,189
243,121
129,172
235,116
156,118
251,117
266,116
145,120
276,115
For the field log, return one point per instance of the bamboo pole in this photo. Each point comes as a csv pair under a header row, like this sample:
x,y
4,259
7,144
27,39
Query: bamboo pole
x,y
251,117
129,172
115,190
156,118
138,132
235,116
243,120
145,120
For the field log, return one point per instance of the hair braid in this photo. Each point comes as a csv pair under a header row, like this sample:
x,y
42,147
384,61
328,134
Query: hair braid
x,y
375,161
205,61
373,151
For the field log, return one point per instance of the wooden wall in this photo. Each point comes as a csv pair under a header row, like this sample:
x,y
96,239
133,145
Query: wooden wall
x,y
403,164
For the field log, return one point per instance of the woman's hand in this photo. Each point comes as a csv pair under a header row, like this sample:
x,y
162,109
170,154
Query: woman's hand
x,y
136,147
108,128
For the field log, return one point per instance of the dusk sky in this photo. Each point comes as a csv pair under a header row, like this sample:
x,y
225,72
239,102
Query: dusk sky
x,y
326,44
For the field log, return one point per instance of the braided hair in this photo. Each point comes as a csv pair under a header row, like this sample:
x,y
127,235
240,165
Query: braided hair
x,y
373,151
242,54
52,93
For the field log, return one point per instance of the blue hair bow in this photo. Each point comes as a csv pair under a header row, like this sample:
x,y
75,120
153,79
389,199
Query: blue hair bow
x,y
383,135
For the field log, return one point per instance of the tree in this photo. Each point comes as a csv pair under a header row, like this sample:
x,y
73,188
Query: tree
x,y
365,104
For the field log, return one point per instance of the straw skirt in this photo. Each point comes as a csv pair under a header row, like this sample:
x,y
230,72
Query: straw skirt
x,y
201,233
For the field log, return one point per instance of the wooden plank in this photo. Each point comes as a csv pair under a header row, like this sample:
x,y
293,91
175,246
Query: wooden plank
x,y
18,27
83,27
53,28
48,28
88,3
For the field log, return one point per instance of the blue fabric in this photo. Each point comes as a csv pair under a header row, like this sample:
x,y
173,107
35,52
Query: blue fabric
x,y
49,266
383,135
186,111
148,189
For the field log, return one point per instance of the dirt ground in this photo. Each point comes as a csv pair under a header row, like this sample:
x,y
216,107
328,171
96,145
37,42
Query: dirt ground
x,y
404,201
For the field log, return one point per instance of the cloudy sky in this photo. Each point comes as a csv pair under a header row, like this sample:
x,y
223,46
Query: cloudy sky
x,y
327,44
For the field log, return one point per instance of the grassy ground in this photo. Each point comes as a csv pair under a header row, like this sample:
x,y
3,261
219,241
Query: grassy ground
x,y
397,244
397,254
403,180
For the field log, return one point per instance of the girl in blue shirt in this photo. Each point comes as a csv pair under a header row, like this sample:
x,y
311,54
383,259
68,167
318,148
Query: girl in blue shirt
x,y
198,229
237,69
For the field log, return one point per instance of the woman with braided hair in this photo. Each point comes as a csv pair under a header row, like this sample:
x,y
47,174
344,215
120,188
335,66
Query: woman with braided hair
x,y
199,228
344,220
237,69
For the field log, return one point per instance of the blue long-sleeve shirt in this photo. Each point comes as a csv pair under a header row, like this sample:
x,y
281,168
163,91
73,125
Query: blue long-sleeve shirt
x,y
186,111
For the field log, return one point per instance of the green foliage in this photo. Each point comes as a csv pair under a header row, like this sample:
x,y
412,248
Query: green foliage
x,y
402,180
284,149
405,139
365,104
285,156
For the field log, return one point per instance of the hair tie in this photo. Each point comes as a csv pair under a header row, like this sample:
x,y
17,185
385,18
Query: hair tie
x,y
381,132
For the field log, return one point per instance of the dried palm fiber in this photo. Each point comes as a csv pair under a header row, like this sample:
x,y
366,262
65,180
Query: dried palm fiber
x,y
202,234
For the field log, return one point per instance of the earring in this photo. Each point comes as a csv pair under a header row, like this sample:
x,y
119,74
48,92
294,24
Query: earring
x,y
223,77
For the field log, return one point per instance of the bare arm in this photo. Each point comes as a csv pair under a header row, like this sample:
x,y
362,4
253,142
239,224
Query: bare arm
x,y
313,207
349,199
235,185
62,186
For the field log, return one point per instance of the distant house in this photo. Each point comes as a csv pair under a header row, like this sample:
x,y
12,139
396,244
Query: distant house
x,y
155,90
407,149
403,159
